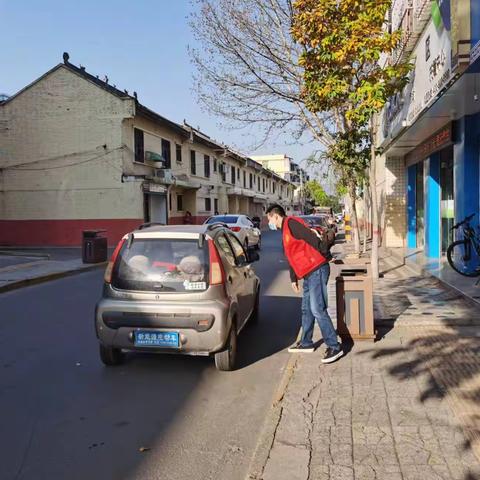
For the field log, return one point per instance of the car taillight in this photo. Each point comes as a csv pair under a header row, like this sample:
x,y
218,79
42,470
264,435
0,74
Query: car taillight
x,y
108,272
235,229
216,268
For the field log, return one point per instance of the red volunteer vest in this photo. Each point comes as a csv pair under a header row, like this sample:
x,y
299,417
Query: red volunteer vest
x,y
302,257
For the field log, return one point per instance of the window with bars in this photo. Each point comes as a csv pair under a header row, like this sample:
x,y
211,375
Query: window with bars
x,y
206,166
139,145
178,153
166,153
193,162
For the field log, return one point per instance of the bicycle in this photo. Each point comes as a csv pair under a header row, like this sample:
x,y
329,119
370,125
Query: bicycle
x,y
459,253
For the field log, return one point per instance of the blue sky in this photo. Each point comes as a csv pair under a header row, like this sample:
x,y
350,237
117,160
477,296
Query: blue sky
x,y
140,45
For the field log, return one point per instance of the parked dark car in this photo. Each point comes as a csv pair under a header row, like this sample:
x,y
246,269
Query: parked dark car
x,y
321,225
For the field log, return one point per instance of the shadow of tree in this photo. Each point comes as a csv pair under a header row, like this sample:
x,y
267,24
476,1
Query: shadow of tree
x,y
446,363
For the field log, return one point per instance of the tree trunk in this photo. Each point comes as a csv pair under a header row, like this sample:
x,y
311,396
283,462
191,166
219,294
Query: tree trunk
x,y
354,220
366,203
374,200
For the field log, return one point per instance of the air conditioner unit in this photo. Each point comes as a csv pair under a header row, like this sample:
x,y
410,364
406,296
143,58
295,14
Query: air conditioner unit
x,y
165,175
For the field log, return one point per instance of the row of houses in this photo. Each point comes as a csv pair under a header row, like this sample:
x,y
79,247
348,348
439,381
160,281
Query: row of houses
x,y
77,153
428,177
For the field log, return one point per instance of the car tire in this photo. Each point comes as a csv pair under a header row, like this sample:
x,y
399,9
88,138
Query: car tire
x,y
255,315
111,356
225,360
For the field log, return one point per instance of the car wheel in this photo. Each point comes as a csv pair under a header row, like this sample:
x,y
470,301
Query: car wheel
x,y
225,360
256,309
258,246
111,356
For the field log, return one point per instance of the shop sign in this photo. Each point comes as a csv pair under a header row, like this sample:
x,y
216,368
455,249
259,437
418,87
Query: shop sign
x,y
441,139
432,69
154,188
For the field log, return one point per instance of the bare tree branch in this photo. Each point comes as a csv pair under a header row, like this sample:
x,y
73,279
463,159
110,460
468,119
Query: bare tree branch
x,y
247,69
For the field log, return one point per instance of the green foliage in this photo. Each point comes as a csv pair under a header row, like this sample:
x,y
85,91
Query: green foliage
x,y
316,192
345,47
319,197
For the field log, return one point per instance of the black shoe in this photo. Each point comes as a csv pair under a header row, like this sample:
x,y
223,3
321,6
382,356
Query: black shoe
x,y
332,354
299,348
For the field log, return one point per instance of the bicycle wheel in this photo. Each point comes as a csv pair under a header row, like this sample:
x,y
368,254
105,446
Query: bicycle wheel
x,y
459,256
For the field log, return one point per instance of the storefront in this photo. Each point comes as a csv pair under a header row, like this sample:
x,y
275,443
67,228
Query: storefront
x,y
430,133
430,198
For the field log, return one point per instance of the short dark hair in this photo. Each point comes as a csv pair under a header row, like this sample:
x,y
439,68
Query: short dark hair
x,y
278,209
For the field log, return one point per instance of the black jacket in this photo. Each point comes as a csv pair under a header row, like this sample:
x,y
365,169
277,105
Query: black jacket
x,y
300,232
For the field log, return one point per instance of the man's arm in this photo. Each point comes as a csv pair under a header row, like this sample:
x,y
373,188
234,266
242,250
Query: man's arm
x,y
300,232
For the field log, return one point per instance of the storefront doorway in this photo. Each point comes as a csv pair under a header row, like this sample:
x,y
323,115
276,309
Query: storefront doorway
x,y
447,210
420,205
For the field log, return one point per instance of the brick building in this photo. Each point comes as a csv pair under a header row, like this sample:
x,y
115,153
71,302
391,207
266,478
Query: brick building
x,y
77,153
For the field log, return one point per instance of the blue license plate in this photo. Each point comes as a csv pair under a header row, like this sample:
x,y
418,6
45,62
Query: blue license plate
x,y
147,338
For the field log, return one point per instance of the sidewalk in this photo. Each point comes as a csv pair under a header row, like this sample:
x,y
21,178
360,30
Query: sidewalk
x,y
20,268
405,407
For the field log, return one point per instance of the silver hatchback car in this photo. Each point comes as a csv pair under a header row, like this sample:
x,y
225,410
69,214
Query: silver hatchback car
x,y
177,289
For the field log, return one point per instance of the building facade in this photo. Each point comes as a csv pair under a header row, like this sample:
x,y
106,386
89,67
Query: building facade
x,y
430,132
287,169
77,153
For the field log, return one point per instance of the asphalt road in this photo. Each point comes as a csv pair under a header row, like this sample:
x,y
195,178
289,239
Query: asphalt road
x,y
66,416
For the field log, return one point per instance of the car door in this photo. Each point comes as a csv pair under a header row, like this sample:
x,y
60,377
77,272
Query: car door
x,y
250,230
233,275
246,278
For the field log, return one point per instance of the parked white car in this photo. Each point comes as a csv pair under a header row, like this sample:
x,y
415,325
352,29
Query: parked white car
x,y
242,226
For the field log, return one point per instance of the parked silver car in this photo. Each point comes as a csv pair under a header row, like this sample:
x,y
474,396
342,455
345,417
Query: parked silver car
x,y
243,227
177,289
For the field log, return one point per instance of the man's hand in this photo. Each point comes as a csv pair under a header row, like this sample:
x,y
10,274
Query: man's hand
x,y
295,287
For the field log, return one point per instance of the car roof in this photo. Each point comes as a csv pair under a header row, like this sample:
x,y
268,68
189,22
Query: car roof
x,y
170,231
177,231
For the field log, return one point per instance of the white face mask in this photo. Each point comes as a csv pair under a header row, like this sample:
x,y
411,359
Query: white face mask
x,y
272,226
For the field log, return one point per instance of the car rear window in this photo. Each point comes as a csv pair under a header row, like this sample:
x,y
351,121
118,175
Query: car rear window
x,y
223,219
162,265
316,221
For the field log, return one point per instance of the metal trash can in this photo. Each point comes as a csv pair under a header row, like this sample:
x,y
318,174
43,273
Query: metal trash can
x,y
354,289
94,246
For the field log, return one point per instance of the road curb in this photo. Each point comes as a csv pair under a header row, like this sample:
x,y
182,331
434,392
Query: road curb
x,y
272,420
50,276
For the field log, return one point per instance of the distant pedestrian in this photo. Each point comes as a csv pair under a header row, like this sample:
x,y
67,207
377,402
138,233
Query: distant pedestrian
x,y
308,255
188,219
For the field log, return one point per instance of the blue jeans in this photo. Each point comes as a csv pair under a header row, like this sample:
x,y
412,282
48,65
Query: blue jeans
x,y
314,306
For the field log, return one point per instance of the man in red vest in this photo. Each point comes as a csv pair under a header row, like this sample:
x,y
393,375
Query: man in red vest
x,y
308,255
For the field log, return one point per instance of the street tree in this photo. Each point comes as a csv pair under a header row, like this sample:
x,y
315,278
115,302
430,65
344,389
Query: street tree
x,y
248,71
317,193
346,47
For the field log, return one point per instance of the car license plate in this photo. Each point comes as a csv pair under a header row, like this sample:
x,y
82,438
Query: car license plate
x,y
147,338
